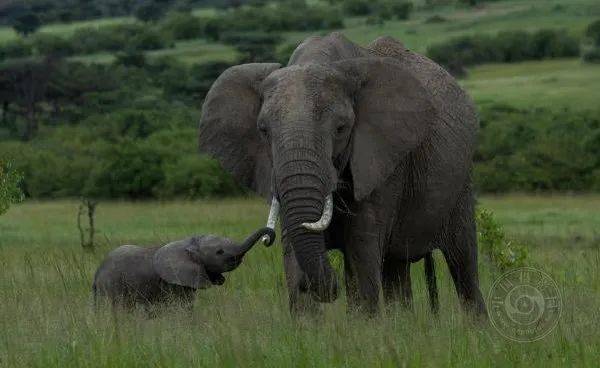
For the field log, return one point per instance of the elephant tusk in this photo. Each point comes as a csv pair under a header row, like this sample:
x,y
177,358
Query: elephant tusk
x,y
325,219
272,220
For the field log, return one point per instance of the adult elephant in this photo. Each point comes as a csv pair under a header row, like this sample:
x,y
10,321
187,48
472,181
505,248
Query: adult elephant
x,y
368,150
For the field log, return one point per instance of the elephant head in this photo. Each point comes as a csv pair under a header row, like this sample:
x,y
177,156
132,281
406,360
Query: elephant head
x,y
198,262
291,133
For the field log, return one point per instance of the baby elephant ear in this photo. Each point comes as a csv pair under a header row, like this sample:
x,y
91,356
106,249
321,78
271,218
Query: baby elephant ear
x,y
174,264
394,113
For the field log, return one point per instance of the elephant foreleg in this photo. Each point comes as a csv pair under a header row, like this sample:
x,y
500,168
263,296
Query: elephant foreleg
x,y
363,263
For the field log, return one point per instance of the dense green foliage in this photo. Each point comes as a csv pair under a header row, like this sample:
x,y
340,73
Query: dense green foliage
x,y
52,11
87,41
505,47
9,186
285,16
385,9
493,243
112,131
89,129
593,32
26,23
538,150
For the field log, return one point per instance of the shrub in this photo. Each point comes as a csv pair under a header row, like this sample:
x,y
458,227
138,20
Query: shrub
x,y
593,32
358,7
255,47
150,11
436,19
537,150
15,49
401,10
49,44
9,186
492,241
183,26
508,46
130,57
285,16
192,177
592,55
127,170
26,23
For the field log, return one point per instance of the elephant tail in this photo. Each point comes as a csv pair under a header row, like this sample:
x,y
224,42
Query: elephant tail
x,y
431,282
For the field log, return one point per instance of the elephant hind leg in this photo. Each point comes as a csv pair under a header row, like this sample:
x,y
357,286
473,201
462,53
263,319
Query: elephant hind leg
x,y
460,252
396,282
431,283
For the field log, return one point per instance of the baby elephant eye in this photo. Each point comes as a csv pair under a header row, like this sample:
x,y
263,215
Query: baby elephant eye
x,y
220,251
340,129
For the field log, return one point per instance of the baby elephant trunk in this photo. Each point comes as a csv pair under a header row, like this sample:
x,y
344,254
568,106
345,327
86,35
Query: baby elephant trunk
x,y
252,239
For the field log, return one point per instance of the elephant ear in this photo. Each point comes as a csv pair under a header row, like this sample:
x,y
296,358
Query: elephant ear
x,y
228,129
174,264
394,113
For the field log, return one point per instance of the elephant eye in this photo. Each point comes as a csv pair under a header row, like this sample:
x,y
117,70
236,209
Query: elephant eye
x,y
220,251
340,129
262,128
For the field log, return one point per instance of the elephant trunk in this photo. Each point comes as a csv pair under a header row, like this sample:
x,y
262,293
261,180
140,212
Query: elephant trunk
x,y
303,187
253,238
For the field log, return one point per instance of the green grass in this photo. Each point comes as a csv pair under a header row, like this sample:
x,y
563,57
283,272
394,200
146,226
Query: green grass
x,y
549,84
46,320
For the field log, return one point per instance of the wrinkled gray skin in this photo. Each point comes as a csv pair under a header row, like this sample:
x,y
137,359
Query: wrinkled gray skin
x,y
133,275
387,131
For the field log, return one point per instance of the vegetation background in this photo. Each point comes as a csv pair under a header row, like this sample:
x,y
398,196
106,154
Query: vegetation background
x,y
100,100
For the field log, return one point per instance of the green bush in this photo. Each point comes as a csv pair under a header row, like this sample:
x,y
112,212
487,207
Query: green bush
x,y
183,26
285,16
359,7
537,150
493,244
192,176
254,47
593,32
49,44
15,49
9,186
592,55
508,46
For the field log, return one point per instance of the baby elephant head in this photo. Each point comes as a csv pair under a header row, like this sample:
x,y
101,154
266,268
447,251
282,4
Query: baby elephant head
x,y
198,262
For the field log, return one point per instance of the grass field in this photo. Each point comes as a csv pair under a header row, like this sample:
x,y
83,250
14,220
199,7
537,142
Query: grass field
x,y
548,84
47,321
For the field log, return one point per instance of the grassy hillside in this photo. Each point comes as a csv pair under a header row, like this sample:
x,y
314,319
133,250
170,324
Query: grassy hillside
x,y
47,319
548,84
562,83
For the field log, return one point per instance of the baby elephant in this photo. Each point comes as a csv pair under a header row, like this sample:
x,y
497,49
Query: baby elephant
x,y
133,275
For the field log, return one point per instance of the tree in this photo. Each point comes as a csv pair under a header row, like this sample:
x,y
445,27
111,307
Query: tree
x,y
150,11
9,187
593,32
26,23
255,47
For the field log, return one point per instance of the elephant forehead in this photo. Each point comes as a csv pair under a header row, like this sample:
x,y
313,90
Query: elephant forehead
x,y
302,79
301,89
212,241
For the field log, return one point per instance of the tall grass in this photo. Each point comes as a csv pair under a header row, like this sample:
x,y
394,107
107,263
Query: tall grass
x,y
46,318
